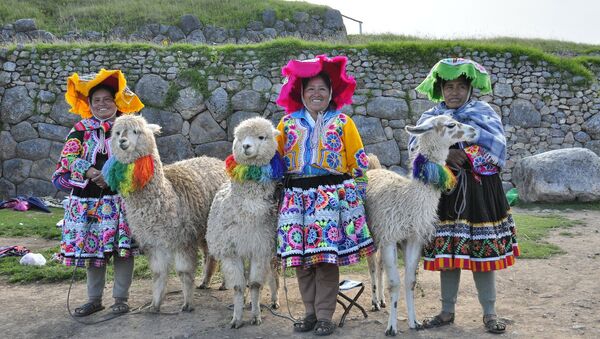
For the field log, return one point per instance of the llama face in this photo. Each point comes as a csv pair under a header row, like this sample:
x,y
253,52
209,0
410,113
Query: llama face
x,y
448,131
254,142
132,138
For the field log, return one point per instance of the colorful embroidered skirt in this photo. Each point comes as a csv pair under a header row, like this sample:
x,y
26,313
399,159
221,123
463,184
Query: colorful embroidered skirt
x,y
323,224
483,238
94,230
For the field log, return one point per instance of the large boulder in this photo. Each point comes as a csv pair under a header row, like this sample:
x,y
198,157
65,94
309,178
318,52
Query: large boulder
x,y
152,90
16,105
25,25
205,129
570,174
36,187
217,149
333,19
218,104
592,126
248,100
370,129
170,122
189,23
387,152
388,108
189,103
60,113
34,149
24,131
53,132
503,90
524,114
7,189
8,146
418,106
173,148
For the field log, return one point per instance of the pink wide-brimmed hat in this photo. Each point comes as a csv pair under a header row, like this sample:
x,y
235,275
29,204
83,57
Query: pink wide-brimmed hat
x,y
342,85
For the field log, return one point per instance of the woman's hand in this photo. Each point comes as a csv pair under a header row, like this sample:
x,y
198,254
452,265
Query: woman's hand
x,y
96,176
456,158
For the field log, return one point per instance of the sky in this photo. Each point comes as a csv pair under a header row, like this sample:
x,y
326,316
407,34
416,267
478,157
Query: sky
x,y
567,20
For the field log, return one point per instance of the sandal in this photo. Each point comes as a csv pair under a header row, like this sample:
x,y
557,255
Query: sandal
x,y
324,327
493,324
119,308
87,309
306,324
437,321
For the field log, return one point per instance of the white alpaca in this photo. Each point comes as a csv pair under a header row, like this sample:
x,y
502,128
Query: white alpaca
x,y
242,223
403,211
168,214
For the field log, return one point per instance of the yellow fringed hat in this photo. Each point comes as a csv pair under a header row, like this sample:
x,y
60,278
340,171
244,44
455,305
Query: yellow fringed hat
x,y
78,88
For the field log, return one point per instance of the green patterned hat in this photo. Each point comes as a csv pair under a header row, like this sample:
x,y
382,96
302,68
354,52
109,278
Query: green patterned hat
x,y
450,69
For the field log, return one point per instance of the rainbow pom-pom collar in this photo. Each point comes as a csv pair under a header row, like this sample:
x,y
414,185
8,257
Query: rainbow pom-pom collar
x,y
441,177
127,178
262,174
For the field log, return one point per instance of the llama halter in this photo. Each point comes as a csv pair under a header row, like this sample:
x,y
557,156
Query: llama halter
x,y
441,177
127,178
262,174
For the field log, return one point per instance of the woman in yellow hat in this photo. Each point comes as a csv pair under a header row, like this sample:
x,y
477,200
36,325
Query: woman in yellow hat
x,y
94,227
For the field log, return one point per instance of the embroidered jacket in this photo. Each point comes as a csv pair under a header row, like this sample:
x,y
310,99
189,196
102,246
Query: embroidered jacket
x,y
340,149
87,145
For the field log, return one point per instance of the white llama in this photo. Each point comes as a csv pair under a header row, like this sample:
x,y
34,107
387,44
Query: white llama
x,y
243,217
167,206
403,211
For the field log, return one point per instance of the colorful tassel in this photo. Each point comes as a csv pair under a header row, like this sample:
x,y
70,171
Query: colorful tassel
x,y
433,174
263,174
127,178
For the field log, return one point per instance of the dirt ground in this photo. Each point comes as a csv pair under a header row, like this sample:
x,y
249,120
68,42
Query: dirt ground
x,y
554,298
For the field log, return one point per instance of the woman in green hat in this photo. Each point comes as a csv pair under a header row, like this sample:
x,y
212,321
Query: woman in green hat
x,y
476,230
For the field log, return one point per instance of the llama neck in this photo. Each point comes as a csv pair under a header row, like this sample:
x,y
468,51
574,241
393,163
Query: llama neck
x,y
158,166
433,150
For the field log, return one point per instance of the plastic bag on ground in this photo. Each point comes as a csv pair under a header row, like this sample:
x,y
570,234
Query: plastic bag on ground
x,y
35,259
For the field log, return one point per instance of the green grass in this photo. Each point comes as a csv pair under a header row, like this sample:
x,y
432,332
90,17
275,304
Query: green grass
x,y
560,206
60,16
531,231
31,223
549,46
56,272
13,272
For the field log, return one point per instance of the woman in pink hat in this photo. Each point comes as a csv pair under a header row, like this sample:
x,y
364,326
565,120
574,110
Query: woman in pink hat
x,y
322,221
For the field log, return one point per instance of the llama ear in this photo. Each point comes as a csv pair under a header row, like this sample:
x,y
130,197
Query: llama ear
x,y
418,130
156,129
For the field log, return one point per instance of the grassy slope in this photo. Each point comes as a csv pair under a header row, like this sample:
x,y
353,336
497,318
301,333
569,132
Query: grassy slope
x,y
60,16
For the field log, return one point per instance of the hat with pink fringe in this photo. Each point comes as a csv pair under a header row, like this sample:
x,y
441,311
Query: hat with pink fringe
x,y
342,85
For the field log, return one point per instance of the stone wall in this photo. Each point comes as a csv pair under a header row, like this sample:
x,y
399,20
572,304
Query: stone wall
x,y
199,95
189,29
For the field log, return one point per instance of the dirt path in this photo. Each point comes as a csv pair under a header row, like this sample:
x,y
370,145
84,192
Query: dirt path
x,y
554,298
